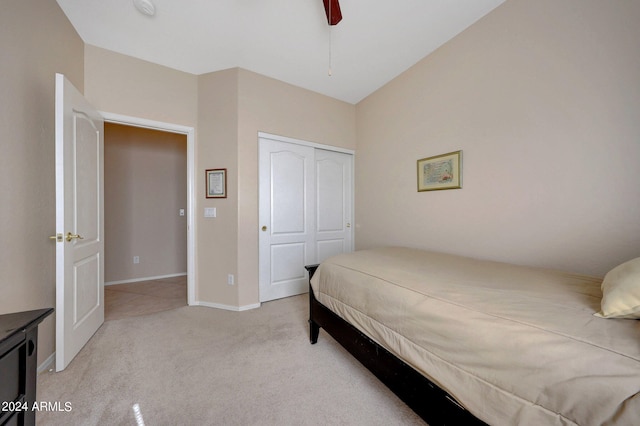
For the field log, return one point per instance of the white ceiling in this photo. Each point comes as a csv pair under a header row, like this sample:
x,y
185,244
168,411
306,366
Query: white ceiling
x,y
284,39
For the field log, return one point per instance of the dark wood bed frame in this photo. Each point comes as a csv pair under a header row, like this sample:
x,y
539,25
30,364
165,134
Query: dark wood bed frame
x,y
430,402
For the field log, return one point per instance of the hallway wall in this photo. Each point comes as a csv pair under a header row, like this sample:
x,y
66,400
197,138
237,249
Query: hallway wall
x,y
145,187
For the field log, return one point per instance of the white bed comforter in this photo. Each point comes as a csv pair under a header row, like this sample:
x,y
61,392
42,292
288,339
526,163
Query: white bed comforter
x,y
514,345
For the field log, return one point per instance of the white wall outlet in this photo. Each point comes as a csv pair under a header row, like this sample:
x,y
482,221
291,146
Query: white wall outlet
x,y
230,279
136,259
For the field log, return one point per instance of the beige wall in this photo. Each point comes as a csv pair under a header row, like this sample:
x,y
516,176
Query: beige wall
x,y
36,41
234,105
124,85
145,186
217,238
542,98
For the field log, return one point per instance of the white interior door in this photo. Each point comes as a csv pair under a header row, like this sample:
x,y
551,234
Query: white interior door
x,y
334,176
287,209
79,222
306,210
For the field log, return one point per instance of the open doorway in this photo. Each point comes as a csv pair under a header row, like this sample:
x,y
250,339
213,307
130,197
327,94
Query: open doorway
x,y
146,197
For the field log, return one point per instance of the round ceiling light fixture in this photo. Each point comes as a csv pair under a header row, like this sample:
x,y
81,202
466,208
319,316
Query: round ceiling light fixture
x,y
145,7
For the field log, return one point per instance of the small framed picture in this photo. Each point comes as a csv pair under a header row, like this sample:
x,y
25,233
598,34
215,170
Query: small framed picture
x,y
216,183
440,172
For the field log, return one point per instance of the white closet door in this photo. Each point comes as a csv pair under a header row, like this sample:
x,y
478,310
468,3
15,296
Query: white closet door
x,y
333,203
306,210
287,218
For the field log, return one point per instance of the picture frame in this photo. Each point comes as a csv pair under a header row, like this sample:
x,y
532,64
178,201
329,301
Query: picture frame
x,y
216,183
440,172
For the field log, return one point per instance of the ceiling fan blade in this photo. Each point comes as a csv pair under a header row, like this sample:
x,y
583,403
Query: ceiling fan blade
x,y
332,7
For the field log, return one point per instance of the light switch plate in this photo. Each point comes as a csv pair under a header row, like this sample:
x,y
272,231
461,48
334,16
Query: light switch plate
x,y
209,212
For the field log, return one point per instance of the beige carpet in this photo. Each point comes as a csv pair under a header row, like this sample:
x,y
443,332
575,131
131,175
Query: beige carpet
x,y
203,366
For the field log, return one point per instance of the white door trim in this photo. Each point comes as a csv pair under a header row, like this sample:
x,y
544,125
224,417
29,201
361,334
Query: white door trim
x,y
302,142
190,133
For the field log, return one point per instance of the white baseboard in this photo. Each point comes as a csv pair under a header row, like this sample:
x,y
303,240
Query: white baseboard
x,y
47,363
135,280
227,307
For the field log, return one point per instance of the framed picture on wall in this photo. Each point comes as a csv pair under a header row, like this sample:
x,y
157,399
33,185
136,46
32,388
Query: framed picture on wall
x,y
440,172
216,183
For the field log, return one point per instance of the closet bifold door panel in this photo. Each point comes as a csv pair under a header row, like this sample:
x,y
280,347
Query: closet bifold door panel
x,y
287,215
333,195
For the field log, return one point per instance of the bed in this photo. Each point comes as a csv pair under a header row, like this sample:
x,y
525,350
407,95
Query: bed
x,y
466,341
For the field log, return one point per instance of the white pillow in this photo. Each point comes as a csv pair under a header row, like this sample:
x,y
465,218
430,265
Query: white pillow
x,y
621,291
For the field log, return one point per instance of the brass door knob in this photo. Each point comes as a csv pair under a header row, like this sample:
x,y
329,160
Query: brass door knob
x,y
59,237
264,228
71,236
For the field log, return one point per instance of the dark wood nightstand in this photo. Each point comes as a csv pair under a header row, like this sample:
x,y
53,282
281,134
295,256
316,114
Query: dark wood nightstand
x,y
18,365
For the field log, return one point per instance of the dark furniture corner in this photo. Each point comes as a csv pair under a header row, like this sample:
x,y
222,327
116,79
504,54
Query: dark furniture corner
x,y
429,401
18,365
